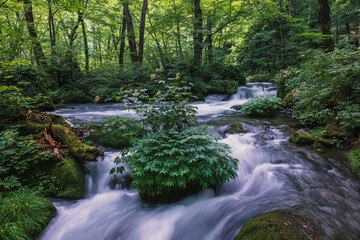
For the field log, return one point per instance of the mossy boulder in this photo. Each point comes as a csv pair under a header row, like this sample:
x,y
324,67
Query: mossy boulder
x,y
301,137
278,225
333,131
290,98
78,149
71,179
236,107
60,129
234,128
323,141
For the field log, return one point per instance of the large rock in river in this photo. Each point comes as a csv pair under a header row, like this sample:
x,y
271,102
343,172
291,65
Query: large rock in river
x,y
301,137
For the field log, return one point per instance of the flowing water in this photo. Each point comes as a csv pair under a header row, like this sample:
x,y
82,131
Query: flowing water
x,y
273,174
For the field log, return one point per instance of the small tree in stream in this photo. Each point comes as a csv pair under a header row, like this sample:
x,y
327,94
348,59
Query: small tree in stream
x,y
176,158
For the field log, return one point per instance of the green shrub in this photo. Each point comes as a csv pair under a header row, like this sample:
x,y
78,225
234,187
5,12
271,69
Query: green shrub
x,y
175,159
328,88
118,132
170,164
354,157
19,156
24,214
223,86
261,106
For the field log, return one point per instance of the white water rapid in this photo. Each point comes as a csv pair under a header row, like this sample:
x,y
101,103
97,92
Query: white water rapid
x,y
273,174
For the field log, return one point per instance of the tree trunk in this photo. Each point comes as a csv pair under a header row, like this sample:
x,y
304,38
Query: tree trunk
x,y
38,51
52,30
131,34
122,37
198,36
142,30
86,45
309,16
324,20
208,41
157,42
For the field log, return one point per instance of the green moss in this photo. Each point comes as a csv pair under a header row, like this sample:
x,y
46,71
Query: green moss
x,y
276,225
301,137
354,157
71,179
324,141
333,130
78,149
235,128
24,214
290,98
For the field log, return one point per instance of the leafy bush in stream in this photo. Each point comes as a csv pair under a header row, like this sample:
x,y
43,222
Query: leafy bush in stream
x,y
261,106
169,164
175,159
24,214
19,156
118,132
328,88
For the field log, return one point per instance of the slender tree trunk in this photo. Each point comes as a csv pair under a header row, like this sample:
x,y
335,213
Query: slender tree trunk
x,y
359,36
337,31
86,45
309,15
179,39
131,34
122,41
157,42
52,30
142,30
38,51
198,36
324,20
208,41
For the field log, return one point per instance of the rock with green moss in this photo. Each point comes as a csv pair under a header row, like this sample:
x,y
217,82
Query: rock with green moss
x,y
71,179
60,129
290,98
77,148
323,141
278,225
234,128
354,157
333,131
301,137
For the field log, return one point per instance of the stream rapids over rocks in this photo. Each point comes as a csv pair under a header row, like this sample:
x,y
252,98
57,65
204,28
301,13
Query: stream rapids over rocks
x,y
273,174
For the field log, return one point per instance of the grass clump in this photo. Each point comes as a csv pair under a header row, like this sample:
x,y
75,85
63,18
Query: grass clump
x,y
118,132
354,157
261,106
24,214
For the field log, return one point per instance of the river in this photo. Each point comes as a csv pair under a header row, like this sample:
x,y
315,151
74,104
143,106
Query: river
x,y
273,174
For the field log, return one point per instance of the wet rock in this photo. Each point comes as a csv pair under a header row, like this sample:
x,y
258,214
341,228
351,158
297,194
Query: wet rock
x,y
333,130
301,137
280,224
323,141
236,107
286,128
267,137
71,179
226,98
233,128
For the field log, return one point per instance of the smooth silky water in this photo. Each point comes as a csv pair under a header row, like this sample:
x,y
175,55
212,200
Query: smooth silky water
x,y
273,174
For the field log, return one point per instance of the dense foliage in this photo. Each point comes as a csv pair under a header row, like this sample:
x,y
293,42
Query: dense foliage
x,y
19,156
328,88
261,106
118,132
23,214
